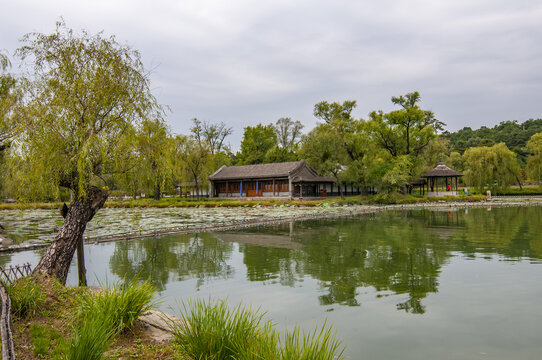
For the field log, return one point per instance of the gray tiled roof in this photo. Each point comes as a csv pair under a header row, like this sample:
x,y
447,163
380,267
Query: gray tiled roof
x,y
256,171
442,171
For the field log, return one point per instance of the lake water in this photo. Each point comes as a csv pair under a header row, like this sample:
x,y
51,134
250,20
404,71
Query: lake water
x,y
449,284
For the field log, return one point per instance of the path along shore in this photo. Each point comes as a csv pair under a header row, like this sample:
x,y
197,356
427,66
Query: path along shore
x,y
262,218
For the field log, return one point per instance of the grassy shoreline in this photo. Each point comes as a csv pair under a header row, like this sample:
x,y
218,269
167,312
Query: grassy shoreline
x,y
210,203
55,322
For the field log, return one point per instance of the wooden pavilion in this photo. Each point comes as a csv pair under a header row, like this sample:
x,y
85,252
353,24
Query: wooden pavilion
x,y
442,181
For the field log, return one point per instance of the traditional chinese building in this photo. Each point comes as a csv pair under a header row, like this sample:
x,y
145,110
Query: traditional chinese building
x,y
442,181
287,179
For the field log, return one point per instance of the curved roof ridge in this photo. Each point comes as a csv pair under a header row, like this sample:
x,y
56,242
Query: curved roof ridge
x,y
441,170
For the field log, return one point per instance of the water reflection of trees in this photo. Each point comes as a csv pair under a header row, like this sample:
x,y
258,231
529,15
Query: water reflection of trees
x,y
389,254
397,252
180,257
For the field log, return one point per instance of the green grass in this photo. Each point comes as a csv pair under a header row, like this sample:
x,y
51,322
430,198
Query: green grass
x,y
91,337
27,297
47,343
213,331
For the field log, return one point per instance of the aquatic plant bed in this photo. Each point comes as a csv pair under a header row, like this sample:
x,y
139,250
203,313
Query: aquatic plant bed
x,y
36,228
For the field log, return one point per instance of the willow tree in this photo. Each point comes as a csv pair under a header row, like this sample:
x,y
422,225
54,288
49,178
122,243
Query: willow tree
x,y
534,161
495,166
83,95
153,146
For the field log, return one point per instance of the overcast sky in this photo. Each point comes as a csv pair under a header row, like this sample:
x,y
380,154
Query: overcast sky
x,y
475,62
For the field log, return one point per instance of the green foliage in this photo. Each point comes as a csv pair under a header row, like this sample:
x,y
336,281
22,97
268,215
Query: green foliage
x,y
514,134
405,131
211,330
257,141
534,161
279,154
323,150
495,167
398,175
27,297
47,343
84,94
197,162
153,166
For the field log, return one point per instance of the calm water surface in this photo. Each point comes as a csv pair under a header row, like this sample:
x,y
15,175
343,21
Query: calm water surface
x,y
463,284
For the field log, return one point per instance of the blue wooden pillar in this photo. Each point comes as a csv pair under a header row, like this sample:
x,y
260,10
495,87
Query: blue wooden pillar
x,y
241,189
256,188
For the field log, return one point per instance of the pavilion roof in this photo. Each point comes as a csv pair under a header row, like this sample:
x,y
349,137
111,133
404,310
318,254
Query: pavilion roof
x,y
442,171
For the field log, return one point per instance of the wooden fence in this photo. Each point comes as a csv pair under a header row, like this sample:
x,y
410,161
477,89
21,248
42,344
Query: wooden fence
x,y
10,274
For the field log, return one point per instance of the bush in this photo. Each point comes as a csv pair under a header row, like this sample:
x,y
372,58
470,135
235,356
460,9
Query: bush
x,y
211,330
27,297
385,198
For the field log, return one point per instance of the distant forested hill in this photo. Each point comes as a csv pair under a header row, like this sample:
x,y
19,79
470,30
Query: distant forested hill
x,y
512,133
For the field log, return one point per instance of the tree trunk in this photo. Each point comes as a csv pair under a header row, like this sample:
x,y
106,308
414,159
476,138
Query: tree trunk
x,y
81,270
341,190
57,258
157,194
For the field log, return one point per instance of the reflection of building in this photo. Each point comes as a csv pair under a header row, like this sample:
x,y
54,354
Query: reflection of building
x,y
271,241
442,181
444,222
287,179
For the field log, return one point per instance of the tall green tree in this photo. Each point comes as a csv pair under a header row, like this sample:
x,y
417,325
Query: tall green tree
x,y
82,94
197,160
153,141
323,149
257,141
495,166
406,131
8,99
339,119
534,161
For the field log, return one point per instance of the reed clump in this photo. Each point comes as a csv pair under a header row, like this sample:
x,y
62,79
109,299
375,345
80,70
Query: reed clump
x,y
212,330
103,315
27,297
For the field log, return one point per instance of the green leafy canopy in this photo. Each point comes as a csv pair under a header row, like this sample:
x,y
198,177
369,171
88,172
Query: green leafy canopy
x,y
83,95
